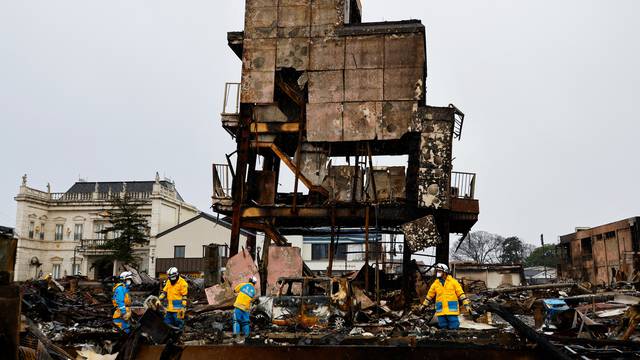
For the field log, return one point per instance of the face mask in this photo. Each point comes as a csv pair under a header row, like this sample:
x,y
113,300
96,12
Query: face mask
x,y
173,279
127,282
439,274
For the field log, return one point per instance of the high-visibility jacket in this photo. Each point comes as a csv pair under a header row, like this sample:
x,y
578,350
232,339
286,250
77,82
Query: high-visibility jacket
x,y
121,300
176,295
447,296
246,292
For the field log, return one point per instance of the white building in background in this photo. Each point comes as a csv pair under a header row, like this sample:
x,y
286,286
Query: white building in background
x,y
183,245
59,232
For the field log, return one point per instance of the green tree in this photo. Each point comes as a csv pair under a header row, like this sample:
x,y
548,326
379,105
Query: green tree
x,y
514,251
128,228
542,256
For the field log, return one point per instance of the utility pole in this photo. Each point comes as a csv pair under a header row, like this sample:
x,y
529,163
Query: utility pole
x,y
545,266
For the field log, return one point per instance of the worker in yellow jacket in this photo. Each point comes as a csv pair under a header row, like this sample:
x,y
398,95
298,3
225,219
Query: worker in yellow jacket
x,y
242,307
447,292
175,292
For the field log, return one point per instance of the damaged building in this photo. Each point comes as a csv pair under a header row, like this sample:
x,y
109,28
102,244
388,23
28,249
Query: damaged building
x,y
323,98
326,96
603,254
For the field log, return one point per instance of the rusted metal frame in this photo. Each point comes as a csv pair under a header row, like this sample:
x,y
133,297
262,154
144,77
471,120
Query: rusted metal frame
x,y
265,264
366,247
276,169
228,157
391,217
354,185
287,161
267,229
298,159
372,179
406,278
238,190
332,245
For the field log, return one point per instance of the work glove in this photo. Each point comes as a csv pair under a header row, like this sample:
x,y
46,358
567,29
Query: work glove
x,y
127,314
474,314
180,314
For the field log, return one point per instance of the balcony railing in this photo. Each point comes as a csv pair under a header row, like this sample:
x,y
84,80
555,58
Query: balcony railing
x,y
92,243
463,185
222,181
95,246
85,197
231,103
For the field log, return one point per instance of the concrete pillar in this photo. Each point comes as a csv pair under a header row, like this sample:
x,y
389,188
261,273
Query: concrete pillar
x,y
10,320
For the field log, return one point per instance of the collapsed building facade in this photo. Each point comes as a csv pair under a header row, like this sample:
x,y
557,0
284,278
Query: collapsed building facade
x,y
319,86
603,254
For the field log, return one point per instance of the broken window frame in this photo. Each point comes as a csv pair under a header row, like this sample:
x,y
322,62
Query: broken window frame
x,y
586,246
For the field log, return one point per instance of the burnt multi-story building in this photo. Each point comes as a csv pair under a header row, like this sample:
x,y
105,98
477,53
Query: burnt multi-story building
x,y
318,86
601,254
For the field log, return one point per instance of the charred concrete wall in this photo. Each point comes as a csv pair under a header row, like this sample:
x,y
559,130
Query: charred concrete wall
x,y
602,254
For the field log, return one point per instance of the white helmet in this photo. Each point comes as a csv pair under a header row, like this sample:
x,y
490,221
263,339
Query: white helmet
x,y
172,273
442,267
126,275
253,280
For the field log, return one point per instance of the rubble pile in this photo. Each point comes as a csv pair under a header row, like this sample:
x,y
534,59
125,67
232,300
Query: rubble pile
x,y
74,316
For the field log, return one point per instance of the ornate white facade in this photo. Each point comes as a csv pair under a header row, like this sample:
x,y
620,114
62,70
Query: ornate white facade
x,y
58,232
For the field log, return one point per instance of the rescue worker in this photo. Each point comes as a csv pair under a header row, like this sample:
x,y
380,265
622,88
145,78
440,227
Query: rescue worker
x,y
447,293
242,307
175,292
122,302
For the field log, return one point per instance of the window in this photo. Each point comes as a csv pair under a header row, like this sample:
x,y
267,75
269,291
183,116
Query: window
x,y
178,251
77,232
98,227
42,231
319,251
610,234
59,231
56,271
341,252
76,269
585,244
32,225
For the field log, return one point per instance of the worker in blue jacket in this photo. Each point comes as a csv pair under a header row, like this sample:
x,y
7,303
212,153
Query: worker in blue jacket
x,y
122,302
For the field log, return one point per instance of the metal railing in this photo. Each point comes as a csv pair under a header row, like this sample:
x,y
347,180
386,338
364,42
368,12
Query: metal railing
x,y
92,243
231,103
222,180
458,118
83,197
463,185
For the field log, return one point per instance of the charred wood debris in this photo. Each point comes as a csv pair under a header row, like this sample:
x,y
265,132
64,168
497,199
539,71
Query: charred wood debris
x,y
71,318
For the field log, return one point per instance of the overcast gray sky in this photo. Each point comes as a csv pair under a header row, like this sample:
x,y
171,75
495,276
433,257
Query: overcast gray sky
x,y
117,90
